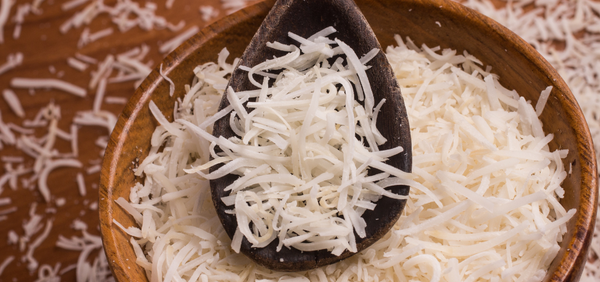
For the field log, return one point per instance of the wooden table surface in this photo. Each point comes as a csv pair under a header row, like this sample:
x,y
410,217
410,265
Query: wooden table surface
x,y
45,50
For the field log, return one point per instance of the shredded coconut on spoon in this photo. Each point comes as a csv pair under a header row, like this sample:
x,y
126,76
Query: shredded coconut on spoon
x,y
303,172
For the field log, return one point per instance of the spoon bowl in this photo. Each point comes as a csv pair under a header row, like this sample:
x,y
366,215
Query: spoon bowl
x,y
304,18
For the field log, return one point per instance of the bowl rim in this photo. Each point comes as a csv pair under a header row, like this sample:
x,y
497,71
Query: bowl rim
x,y
570,265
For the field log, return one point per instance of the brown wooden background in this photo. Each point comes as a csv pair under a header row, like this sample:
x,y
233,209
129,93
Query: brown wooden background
x,y
44,48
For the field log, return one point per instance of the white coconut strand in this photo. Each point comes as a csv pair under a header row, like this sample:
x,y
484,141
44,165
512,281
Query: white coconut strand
x,y
435,221
49,166
428,259
541,103
33,83
13,102
5,7
12,61
5,263
81,184
165,77
354,61
171,44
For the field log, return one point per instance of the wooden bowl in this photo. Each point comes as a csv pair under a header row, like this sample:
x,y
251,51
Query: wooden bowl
x,y
433,22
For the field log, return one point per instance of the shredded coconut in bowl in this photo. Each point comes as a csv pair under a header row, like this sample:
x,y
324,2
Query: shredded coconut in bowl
x,y
483,206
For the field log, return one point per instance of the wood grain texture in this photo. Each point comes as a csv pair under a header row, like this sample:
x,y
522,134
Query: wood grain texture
x,y
434,22
45,49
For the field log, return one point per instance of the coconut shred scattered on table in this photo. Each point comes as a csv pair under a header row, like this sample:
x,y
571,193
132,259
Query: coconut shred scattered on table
x,y
486,204
31,139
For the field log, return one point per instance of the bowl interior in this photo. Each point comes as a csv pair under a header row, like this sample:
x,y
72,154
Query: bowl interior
x,y
435,23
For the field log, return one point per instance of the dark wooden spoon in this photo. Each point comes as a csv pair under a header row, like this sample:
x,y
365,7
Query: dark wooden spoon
x,y
305,17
